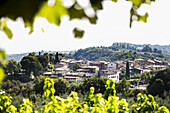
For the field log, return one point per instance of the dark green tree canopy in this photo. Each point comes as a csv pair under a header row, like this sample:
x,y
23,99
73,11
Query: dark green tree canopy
x,y
161,81
12,67
43,60
31,64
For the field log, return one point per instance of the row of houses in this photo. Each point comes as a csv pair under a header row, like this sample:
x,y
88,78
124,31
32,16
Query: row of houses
x,y
104,69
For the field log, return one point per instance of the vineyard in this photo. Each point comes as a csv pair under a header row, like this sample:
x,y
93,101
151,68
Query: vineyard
x,y
107,103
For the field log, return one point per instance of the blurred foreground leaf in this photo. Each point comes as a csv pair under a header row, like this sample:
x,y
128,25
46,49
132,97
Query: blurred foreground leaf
x,y
8,32
78,33
1,75
2,55
5,28
53,13
143,18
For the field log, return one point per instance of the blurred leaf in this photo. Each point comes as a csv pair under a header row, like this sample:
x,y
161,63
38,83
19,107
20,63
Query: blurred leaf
x,y
20,8
76,12
8,32
114,0
143,18
2,55
5,28
1,75
137,2
78,33
53,13
96,4
93,19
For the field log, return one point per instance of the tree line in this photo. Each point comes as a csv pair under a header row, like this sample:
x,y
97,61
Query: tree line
x,y
111,54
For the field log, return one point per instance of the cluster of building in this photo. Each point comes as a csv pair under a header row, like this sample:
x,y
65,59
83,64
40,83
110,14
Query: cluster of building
x,y
104,69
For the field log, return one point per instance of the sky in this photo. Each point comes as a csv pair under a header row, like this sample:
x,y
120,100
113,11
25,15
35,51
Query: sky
x,y
112,26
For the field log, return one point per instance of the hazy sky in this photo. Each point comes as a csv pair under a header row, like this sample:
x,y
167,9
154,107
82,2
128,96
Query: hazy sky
x,y
112,26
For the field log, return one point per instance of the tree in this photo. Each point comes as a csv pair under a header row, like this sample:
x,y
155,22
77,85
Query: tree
x,y
61,86
51,57
32,54
127,70
31,64
157,88
43,60
76,66
97,82
12,67
147,49
159,81
56,58
155,50
39,83
46,55
61,54
123,87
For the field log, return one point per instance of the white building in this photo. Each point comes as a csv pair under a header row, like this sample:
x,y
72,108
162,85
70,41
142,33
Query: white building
x,y
112,74
111,65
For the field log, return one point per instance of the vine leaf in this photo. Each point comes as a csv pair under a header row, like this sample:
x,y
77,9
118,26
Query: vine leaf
x,y
76,12
78,33
96,4
2,55
53,13
114,0
1,74
26,9
8,32
5,28
143,18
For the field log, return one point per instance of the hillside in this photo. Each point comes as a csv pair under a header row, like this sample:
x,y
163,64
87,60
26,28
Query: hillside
x,y
110,54
118,51
137,47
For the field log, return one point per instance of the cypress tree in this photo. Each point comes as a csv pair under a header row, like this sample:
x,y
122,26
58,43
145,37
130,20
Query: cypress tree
x,y
127,70
56,58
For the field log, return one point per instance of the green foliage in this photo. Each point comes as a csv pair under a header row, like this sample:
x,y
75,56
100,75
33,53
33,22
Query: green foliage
x,y
26,107
61,86
106,54
6,103
43,60
12,67
147,49
76,66
31,64
144,104
127,70
39,83
29,10
1,74
110,89
123,87
162,109
2,59
92,103
56,58
96,82
48,88
159,81
158,85
78,33
52,13
4,27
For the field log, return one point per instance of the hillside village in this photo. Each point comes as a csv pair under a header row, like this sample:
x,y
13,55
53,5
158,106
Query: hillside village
x,y
86,68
